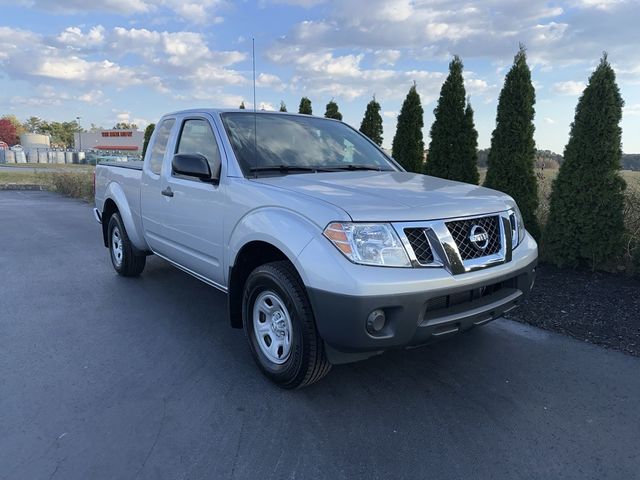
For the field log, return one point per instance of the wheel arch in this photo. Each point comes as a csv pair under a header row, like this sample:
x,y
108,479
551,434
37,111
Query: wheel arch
x,y
116,201
109,209
250,256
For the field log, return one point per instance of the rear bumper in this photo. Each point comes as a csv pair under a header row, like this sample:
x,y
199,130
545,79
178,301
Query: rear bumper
x,y
414,318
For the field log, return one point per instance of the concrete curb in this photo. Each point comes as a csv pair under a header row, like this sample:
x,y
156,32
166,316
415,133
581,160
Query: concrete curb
x,y
21,186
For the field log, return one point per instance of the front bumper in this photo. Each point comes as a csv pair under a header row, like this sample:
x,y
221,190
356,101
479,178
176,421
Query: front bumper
x,y
418,317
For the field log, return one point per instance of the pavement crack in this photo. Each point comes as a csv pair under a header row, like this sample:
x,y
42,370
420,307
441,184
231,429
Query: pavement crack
x,y
55,470
235,457
155,441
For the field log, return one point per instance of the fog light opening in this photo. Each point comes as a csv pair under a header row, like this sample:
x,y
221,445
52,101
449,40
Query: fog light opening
x,y
376,321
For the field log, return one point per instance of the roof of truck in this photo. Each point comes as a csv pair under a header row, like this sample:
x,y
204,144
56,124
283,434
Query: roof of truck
x,y
235,110
228,110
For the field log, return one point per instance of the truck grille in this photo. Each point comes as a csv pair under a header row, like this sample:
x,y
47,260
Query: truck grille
x,y
418,239
461,230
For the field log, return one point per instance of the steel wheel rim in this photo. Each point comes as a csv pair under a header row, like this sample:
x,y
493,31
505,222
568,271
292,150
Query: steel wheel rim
x,y
116,246
272,327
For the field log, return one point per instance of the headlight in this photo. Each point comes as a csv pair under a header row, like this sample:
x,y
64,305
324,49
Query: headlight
x,y
517,227
368,243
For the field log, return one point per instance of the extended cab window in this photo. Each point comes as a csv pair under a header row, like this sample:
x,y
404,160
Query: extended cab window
x,y
197,137
160,145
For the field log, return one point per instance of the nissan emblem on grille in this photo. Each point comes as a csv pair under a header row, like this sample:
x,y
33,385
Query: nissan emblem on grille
x,y
479,237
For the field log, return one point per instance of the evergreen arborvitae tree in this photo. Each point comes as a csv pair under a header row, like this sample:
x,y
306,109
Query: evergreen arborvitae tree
x,y
512,155
147,137
586,226
305,106
242,107
283,107
454,139
408,146
470,144
371,124
332,111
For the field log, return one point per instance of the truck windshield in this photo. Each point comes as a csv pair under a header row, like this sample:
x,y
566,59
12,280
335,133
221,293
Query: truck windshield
x,y
299,144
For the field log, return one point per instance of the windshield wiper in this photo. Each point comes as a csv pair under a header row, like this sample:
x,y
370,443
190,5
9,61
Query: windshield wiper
x,y
283,168
355,166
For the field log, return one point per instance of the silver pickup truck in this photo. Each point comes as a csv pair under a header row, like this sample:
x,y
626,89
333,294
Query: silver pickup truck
x,y
328,250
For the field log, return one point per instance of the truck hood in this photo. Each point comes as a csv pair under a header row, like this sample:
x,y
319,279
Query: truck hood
x,y
394,196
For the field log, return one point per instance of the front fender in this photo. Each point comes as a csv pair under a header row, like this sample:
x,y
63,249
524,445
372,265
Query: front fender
x,y
285,229
115,193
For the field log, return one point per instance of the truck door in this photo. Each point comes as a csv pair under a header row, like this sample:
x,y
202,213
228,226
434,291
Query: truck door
x,y
151,199
193,211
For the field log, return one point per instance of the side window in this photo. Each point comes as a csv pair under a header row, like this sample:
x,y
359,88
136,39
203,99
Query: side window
x,y
160,145
197,137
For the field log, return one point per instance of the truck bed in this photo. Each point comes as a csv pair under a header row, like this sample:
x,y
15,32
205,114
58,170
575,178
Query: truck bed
x,y
133,165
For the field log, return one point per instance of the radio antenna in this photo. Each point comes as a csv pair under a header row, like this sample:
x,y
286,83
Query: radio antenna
x,y
255,120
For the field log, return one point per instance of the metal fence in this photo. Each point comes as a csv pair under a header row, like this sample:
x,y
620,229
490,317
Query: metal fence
x,y
42,155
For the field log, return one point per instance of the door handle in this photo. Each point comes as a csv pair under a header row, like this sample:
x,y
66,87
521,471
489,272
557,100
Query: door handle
x,y
167,192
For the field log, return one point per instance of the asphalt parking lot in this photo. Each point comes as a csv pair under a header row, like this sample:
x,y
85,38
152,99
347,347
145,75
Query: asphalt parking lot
x,y
104,377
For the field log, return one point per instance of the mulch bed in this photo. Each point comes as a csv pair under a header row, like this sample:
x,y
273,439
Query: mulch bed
x,y
600,308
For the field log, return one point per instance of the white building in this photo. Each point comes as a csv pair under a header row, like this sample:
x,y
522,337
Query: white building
x,y
110,141
35,141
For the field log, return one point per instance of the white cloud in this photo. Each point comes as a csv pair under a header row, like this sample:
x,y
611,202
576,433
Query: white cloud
x,y
436,29
297,3
632,110
598,4
42,96
48,96
92,97
123,117
570,87
549,120
268,80
166,60
266,106
74,37
387,57
123,7
475,86
200,12
318,62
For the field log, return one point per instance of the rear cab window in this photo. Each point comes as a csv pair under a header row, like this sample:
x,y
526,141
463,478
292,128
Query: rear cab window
x,y
160,145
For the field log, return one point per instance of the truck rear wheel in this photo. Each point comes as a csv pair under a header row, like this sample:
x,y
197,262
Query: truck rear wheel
x,y
280,328
123,258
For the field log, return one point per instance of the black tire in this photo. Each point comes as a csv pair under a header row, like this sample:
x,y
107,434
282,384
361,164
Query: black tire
x,y
126,262
306,362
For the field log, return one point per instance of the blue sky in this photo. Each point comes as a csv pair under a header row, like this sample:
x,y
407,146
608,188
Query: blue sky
x,y
133,60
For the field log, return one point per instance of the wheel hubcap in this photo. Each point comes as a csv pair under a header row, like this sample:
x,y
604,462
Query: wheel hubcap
x,y
272,327
116,246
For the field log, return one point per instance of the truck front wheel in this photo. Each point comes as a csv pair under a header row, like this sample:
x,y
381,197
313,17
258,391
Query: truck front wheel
x,y
123,258
280,328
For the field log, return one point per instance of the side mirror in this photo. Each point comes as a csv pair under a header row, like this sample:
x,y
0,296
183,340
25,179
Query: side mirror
x,y
192,165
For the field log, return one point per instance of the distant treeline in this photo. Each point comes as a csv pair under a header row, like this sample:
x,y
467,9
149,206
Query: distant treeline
x,y
549,159
631,161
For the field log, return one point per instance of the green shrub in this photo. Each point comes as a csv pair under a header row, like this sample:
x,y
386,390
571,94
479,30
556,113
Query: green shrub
x,y
72,184
586,224
513,149
632,225
408,145
454,139
371,124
